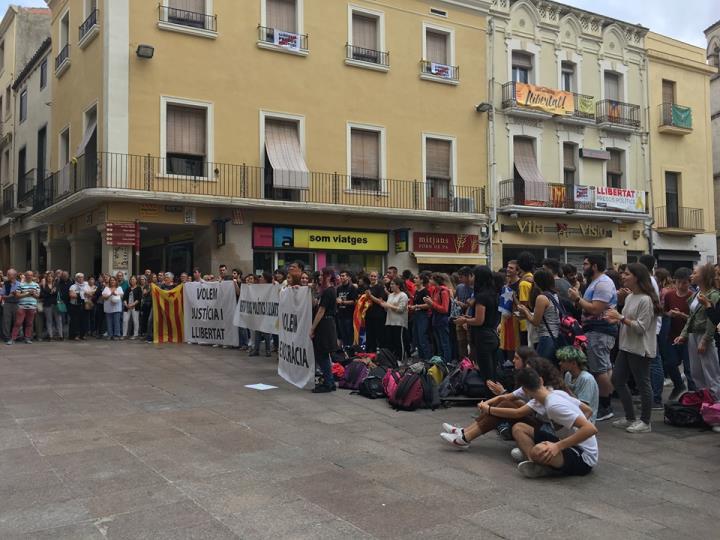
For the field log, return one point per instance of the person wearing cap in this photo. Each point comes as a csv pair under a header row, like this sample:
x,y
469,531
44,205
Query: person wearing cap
x,y
573,363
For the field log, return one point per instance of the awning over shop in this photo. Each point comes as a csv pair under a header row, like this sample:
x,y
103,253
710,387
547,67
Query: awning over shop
x,y
536,188
676,255
460,260
282,145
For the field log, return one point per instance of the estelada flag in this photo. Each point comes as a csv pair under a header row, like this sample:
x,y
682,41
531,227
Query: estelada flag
x,y
361,306
167,314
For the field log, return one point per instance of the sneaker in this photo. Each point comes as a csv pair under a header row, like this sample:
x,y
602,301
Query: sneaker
x,y
658,406
623,423
455,440
667,382
605,414
639,427
28,341
716,429
453,430
677,392
9,342
505,432
530,469
517,455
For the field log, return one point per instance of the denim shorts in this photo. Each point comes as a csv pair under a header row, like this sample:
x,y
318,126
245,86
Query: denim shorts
x,y
599,347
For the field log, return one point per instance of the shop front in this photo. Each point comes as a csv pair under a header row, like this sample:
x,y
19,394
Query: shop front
x,y
275,246
566,240
446,252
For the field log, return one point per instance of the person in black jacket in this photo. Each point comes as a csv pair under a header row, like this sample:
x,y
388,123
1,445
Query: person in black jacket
x,y
63,290
53,318
131,307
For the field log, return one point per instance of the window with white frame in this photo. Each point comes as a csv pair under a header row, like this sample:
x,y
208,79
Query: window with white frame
x,y
282,25
186,144
64,30
570,152
522,66
286,173
614,168
439,53
23,105
438,173
365,39
190,13
365,159
567,77
613,85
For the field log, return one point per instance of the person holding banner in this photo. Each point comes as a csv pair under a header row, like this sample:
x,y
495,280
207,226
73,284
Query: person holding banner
x,y
323,331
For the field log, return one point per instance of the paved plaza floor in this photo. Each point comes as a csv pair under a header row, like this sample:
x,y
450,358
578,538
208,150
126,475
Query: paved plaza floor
x,y
128,440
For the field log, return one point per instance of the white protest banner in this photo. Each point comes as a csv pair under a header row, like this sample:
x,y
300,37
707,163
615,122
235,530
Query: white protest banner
x,y
628,200
296,359
209,309
287,40
257,308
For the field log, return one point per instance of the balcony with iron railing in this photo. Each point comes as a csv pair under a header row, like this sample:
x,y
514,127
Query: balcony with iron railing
x,y
26,186
617,116
585,201
219,183
8,200
583,110
281,40
439,72
367,57
62,60
89,29
679,220
170,18
675,119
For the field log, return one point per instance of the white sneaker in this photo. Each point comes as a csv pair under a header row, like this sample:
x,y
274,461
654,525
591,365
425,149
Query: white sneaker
x,y
517,455
638,427
623,423
530,469
716,429
455,441
449,428
667,382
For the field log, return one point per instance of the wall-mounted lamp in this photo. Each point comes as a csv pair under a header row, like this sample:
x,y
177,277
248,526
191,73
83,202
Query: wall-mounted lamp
x,y
484,107
145,51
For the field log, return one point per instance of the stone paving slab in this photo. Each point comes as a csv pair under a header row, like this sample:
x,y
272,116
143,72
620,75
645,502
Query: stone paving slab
x,y
135,441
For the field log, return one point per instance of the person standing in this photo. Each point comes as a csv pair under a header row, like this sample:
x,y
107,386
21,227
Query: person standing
x,y
27,294
10,303
375,315
131,305
396,322
600,295
346,297
421,317
323,331
78,314
526,266
53,318
113,296
699,331
439,304
546,314
677,312
509,329
463,295
637,346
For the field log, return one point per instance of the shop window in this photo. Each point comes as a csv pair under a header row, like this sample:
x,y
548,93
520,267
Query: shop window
x,y
522,65
285,258
615,168
365,159
438,173
186,144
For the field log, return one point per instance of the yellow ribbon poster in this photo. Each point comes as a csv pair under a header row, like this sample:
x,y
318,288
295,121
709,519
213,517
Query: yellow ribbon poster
x,y
546,99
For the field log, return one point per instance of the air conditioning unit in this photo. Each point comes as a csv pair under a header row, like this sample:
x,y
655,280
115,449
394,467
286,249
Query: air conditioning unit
x,y
464,205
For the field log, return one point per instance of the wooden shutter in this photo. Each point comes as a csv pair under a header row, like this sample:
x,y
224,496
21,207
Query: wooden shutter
x,y
436,45
186,130
438,159
668,91
364,32
194,6
612,86
569,157
521,60
281,15
365,158
614,164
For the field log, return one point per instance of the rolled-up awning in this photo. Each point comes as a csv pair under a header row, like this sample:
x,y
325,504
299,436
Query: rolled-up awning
x,y
536,188
282,145
89,132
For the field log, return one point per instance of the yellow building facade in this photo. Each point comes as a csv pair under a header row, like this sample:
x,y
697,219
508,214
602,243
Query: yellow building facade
x,y
252,133
680,153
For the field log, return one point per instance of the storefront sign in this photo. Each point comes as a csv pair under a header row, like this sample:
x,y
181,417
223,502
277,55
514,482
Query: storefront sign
x,y
149,210
546,99
445,243
258,308
121,234
296,358
173,209
266,236
208,313
530,227
628,200
588,153
401,241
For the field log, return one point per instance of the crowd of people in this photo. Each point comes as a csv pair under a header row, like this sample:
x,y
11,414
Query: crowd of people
x,y
642,328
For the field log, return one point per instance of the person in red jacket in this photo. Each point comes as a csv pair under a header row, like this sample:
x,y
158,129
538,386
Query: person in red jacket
x,y
439,304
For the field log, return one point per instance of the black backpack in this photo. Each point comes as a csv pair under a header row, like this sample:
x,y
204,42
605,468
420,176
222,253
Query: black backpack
x,y
677,414
387,359
473,385
372,386
452,384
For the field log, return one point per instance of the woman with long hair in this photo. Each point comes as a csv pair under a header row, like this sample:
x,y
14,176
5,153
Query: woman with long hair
x,y
323,331
699,331
396,322
375,315
420,317
483,320
131,304
439,304
113,296
637,346
53,318
545,315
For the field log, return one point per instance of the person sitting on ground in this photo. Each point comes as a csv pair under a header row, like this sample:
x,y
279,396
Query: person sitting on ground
x,y
573,451
573,363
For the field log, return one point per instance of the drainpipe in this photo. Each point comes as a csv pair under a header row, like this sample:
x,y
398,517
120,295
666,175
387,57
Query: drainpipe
x,y
491,142
647,161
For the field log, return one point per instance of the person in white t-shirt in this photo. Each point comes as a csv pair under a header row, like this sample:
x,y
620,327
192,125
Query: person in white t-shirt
x,y
112,305
572,451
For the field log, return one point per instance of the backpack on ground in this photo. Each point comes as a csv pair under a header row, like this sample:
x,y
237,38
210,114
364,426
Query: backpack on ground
x,y
696,399
710,413
390,382
677,414
387,359
438,370
372,386
414,391
355,373
473,385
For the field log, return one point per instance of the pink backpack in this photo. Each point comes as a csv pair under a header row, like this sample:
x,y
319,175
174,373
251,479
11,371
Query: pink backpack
x,y
390,382
466,364
696,399
711,413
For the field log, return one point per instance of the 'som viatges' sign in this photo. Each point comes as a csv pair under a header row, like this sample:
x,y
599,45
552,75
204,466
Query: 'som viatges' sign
x,y
546,99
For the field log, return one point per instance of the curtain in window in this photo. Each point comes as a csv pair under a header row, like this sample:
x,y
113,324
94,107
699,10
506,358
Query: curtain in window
x,y
282,144
194,6
536,188
436,44
186,130
281,15
365,154
521,60
365,32
438,159
569,157
614,164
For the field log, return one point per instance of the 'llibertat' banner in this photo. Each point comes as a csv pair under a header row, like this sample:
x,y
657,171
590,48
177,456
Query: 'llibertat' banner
x,y
167,314
296,359
546,99
258,309
209,310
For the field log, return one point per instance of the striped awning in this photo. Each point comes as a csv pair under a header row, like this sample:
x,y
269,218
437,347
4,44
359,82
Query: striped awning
x,y
536,188
282,144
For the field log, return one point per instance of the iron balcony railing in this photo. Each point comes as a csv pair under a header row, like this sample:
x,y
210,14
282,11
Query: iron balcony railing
x,y
679,217
371,56
284,39
62,56
26,185
617,113
674,115
583,108
191,19
149,174
515,192
442,71
8,200
88,24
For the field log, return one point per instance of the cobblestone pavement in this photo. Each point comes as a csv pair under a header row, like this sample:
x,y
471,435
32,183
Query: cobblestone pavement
x,y
130,440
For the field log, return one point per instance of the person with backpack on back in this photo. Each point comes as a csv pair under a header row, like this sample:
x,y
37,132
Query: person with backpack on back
x,y
439,304
546,314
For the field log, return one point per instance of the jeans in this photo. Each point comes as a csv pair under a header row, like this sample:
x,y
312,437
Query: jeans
x,y
8,317
135,316
23,318
670,358
259,337
682,352
546,347
657,378
53,322
639,366
242,337
324,362
442,336
421,341
114,324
